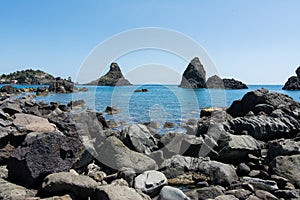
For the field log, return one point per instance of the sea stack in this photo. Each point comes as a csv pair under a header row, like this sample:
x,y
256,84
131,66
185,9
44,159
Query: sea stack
x,y
194,76
216,82
293,82
113,77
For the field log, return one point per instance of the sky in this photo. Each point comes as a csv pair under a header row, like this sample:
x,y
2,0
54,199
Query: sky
x,y
256,41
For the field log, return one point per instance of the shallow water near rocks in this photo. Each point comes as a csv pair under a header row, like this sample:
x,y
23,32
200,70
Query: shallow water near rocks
x,y
162,103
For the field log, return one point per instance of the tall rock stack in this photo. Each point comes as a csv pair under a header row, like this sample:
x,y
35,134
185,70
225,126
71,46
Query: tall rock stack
x,y
194,76
113,77
293,82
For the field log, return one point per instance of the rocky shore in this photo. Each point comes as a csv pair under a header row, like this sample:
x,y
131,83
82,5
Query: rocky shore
x,y
249,151
293,82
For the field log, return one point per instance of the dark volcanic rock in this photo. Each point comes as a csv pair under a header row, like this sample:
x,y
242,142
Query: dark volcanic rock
x,y
194,76
47,154
217,82
265,127
62,86
42,91
293,82
234,84
240,108
8,89
113,77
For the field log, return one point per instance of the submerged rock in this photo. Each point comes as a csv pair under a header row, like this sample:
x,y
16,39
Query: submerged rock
x,y
194,76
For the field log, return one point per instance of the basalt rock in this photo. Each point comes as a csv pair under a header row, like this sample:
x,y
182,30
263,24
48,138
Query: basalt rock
x,y
113,77
293,82
194,76
217,82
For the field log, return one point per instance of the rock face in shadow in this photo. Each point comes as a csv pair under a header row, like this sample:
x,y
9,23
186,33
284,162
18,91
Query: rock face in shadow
x,y
216,82
113,77
293,82
62,86
194,76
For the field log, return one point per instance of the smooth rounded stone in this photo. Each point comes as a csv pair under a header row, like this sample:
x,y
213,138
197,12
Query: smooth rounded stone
x,y
45,155
235,148
127,174
253,197
120,182
111,110
115,155
65,197
202,184
243,169
171,193
14,192
169,125
239,193
265,195
64,183
153,124
287,167
137,137
288,194
33,123
260,184
150,182
111,192
206,193
283,147
226,197
281,182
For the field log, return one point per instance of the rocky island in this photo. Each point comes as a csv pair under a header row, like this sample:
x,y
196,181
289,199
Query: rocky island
x,y
248,151
27,77
195,77
216,82
113,77
293,82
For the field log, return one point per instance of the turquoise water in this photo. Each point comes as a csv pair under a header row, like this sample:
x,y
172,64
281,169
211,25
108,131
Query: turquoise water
x,y
162,102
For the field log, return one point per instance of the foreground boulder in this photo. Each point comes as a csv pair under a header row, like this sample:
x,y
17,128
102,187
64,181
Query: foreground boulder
x,y
62,86
114,192
44,155
266,127
113,77
220,173
194,76
115,155
33,123
287,167
171,193
240,108
150,182
12,191
80,186
293,82
138,138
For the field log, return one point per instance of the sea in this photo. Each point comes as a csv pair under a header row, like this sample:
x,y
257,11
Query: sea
x,y
162,103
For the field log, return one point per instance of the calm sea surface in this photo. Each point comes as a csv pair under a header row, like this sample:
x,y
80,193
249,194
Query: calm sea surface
x,y
161,103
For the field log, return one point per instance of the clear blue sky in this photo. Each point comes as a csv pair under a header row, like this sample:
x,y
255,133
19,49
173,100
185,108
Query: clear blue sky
x,y
256,41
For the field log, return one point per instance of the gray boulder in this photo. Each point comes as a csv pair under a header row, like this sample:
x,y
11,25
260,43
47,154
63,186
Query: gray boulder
x,y
115,192
283,147
80,186
150,182
171,193
235,148
260,184
220,173
194,76
14,192
138,138
211,192
33,123
265,127
287,167
115,155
